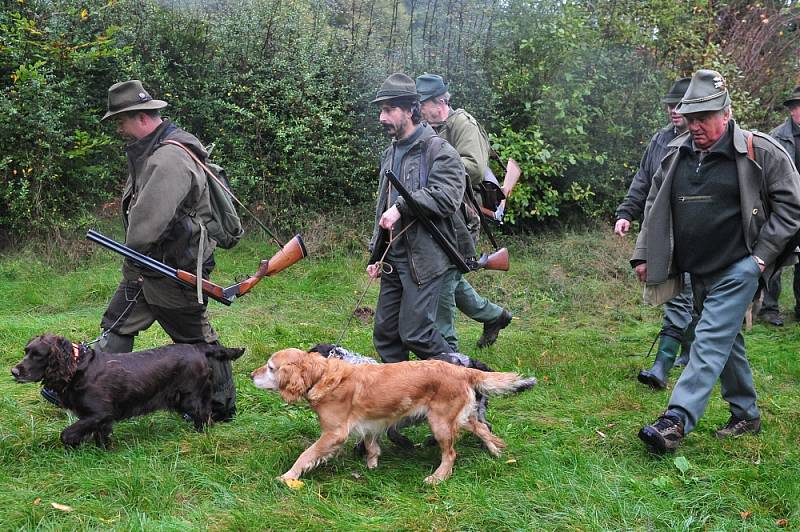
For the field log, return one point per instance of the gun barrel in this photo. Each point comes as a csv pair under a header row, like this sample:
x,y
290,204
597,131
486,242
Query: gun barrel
x,y
154,265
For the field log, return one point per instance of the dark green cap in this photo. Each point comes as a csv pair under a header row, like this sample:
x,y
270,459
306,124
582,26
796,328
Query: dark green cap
x,y
396,86
707,92
794,98
677,91
430,86
130,96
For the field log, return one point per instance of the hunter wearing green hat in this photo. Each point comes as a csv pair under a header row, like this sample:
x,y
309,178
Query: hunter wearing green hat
x,y
677,324
464,133
165,207
410,263
723,206
788,135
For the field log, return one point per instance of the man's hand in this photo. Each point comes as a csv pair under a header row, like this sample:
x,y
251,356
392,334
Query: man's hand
x,y
761,265
641,271
389,218
374,270
622,227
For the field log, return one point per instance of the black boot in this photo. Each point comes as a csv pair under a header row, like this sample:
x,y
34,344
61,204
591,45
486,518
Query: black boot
x,y
686,343
656,376
683,359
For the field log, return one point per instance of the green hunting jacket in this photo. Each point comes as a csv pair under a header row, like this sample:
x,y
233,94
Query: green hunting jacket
x,y
769,192
784,134
441,200
164,200
464,134
632,207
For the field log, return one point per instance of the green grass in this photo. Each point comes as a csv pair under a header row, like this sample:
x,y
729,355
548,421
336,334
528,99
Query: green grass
x,y
573,460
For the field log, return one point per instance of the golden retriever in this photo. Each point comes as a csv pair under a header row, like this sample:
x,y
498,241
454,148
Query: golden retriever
x,y
367,399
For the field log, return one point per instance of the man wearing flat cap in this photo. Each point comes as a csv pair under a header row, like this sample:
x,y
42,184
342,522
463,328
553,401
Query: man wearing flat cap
x,y
165,206
676,328
462,132
723,206
409,262
788,135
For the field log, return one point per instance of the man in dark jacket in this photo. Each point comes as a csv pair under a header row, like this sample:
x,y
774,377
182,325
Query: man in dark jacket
x,y
165,203
464,133
788,135
677,325
725,217
410,263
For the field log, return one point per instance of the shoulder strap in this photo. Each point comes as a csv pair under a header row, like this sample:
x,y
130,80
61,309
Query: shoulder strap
x,y
430,149
202,165
751,154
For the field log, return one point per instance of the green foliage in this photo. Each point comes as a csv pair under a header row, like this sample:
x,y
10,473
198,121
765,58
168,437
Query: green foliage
x,y
55,158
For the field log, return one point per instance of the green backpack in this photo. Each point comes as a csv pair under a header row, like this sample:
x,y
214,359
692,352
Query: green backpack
x,y
225,227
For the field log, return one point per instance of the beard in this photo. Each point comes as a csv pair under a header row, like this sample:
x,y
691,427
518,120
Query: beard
x,y
389,129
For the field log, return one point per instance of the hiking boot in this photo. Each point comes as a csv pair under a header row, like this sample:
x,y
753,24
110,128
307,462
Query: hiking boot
x,y
492,328
52,397
665,434
773,317
736,427
656,376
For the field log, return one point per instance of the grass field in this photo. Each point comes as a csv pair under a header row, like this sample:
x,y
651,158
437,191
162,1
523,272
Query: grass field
x,y
573,460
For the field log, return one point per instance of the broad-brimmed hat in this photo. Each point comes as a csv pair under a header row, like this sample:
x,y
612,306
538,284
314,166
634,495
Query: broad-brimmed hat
x,y
677,91
794,98
130,96
396,86
707,92
430,86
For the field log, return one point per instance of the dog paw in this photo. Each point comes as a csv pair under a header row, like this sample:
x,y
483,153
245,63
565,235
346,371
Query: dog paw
x,y
432,480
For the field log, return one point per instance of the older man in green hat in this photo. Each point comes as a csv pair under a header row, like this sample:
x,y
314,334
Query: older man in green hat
x,y
462,131
788,135
410,263
677,324
165,204
723,205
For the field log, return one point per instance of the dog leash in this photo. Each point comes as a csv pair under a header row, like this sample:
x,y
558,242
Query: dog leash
x,y
384,268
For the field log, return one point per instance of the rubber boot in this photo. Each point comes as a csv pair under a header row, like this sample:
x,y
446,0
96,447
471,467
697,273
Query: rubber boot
x,y
115,343
686,343
684,358
656,377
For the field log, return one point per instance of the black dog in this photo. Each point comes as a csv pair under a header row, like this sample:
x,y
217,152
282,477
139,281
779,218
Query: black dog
x,y
458,359
102,387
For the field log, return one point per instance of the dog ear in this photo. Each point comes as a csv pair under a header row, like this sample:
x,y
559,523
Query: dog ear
x,y
291,383
61,366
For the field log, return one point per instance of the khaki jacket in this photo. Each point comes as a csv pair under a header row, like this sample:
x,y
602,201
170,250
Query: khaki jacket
x,y
769,190
163,203
464,134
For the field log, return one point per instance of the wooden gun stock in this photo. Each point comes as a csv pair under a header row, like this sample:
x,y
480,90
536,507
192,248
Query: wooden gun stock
x,y
513,172
293,251
496,261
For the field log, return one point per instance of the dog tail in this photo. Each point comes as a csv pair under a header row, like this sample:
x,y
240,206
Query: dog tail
x,y
224,353
499,383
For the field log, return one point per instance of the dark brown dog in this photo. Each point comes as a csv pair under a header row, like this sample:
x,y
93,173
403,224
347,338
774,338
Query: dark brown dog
x,y
102,388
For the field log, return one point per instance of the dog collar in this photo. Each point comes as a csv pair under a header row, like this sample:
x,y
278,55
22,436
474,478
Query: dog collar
x,y
76,351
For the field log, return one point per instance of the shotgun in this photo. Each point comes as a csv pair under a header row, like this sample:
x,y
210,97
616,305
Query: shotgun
x,y
496,261
293,251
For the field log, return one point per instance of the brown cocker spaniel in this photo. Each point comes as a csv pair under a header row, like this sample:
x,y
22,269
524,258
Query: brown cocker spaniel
x,y
366,399
101,388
